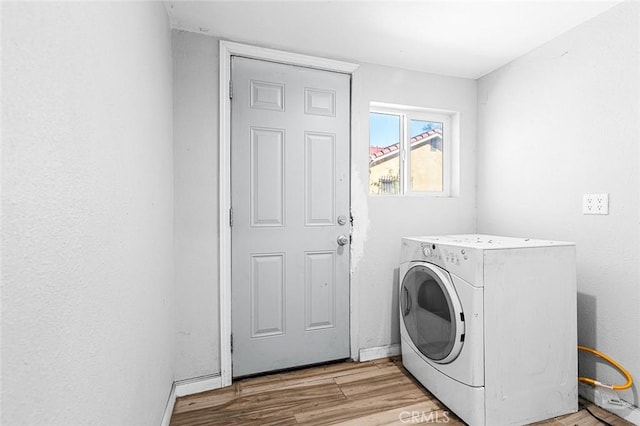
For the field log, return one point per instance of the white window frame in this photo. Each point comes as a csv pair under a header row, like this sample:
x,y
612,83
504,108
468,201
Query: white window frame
x,y
406,114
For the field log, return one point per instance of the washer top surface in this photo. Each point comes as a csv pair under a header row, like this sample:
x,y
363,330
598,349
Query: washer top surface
x,y
487,242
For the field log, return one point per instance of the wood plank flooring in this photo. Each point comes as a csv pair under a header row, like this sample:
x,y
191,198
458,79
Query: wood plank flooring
x,y
377,392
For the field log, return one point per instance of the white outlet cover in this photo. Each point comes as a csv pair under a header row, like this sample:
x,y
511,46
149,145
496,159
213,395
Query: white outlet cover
x,y
595,203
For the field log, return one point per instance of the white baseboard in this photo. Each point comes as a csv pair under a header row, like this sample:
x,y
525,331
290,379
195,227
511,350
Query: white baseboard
x,y
198,384
379,352
602,397
168,410
189,387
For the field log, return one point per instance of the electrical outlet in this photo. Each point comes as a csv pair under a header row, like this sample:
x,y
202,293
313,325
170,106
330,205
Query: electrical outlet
x,y
595,203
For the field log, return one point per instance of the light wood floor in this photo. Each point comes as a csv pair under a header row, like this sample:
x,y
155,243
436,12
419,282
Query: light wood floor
x,y
378,392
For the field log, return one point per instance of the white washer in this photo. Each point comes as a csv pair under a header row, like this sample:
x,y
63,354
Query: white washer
x,y
488,325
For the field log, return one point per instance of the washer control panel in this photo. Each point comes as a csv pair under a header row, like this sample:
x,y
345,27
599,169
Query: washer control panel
x,y
448,255
464,262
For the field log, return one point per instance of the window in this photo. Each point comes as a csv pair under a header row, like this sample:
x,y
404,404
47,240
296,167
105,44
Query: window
x,y
409,151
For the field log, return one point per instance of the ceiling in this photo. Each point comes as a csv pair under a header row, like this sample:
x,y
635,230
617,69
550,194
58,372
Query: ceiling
x,y
457,38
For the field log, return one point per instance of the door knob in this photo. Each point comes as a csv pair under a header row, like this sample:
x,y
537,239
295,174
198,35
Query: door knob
x,y
343,239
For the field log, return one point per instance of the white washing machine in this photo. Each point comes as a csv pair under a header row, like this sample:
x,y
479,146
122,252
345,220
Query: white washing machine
x,y
488,325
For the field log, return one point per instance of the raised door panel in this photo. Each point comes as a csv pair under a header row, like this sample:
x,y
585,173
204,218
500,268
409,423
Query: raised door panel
x,y
267,177
320,282
320,102
320,194
267,294
267,95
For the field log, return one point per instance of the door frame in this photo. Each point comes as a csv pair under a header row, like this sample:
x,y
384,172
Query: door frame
x,y
227,50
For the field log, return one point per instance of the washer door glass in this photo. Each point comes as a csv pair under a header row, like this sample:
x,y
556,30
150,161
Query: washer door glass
x,y
432,313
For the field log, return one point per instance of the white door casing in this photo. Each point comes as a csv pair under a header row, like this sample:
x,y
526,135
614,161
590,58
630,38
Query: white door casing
x,y
290,203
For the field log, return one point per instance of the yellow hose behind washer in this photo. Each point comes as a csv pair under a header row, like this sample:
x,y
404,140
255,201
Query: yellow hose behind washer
x,y
610,360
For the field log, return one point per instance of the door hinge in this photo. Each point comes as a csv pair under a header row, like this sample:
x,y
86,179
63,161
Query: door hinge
x,y
232,343
230,89
230,217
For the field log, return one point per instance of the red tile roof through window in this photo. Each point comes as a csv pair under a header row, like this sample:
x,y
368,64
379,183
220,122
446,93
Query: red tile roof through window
x,y
379,151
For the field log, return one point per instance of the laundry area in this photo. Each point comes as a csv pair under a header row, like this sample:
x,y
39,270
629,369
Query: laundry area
x,y
320,212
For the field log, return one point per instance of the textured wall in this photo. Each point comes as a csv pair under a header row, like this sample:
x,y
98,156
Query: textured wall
x,y
558,122
195,95
87,213
381,221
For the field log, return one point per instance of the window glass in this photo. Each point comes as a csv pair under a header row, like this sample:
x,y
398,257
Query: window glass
x,y
385,134
409,150
426,159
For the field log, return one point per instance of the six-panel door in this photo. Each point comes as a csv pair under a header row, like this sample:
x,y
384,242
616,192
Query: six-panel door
x,y
290,200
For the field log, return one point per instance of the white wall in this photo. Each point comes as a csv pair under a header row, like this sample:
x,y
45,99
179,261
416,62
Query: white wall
x,y
87,213
379,222
558,122
195,96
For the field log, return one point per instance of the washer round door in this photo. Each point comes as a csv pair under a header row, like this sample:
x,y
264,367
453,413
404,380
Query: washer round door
x,y
432,312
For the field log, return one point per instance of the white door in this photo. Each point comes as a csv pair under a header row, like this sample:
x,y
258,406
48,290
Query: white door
x,y
290,208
